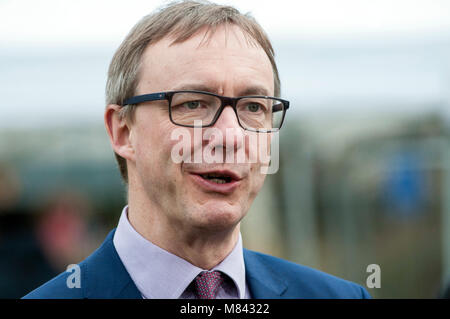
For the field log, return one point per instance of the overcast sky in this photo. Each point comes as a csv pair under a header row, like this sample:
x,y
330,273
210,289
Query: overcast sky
x,y
44,22
362,63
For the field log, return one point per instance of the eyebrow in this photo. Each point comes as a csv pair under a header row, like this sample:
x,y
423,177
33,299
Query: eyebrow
x,y
251,90
254,90
195,87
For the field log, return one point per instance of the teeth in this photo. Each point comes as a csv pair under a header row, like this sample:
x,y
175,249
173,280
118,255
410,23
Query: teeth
x,y
217,180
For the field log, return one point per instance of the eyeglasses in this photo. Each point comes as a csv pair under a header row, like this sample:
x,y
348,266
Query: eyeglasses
x,y
254,113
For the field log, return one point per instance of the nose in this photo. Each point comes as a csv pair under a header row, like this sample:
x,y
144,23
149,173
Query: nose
x,y
232,132
227,119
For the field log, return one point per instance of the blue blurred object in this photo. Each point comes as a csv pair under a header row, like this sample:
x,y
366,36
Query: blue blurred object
x,y
405,186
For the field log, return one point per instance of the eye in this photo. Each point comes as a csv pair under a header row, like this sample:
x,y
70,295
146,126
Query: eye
x,y
253,107
192,105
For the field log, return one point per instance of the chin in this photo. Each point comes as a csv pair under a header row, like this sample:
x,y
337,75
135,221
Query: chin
x,y
219,216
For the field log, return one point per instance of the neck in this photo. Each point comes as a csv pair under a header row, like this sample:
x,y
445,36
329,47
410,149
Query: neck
x,y
203,247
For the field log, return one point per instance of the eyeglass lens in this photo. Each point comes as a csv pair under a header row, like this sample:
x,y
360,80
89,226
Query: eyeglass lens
x,y
253,113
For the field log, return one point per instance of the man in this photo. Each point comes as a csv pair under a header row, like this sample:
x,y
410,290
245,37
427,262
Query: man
x,y
184,68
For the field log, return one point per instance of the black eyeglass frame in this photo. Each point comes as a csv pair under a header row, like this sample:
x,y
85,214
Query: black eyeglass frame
x,y
225,101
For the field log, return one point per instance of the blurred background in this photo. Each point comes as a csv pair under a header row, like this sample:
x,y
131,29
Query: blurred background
x,y
364,153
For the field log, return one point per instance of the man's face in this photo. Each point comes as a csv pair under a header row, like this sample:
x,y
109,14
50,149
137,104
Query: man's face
x,y
225,64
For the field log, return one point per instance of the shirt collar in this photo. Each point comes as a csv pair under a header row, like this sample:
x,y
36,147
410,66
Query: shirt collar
x,y
163,275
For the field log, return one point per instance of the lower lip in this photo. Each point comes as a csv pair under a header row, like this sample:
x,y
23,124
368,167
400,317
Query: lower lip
x,y
210,186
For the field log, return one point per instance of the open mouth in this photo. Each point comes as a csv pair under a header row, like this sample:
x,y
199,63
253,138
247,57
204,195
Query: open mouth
x,y
217,178
218,181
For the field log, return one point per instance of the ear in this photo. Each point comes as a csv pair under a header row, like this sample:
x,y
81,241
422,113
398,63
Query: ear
x,y
119,132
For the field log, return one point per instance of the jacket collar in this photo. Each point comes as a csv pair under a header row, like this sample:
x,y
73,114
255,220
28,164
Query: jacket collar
x,y
263,281
105,275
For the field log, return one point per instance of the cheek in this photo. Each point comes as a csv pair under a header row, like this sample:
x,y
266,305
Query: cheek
x,y
153,145
251,146
258,148
257,178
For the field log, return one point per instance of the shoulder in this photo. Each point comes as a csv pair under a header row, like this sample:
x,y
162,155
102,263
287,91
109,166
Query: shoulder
x,y
101,275
304,282
62,286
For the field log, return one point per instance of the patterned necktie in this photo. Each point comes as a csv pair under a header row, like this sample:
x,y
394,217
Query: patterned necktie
x,y
207,284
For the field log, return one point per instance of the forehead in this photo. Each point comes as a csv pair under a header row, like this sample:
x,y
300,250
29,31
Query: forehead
x,y
225,60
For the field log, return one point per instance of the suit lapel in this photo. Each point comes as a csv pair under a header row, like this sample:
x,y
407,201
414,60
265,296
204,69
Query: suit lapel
x,y
262,280
106,276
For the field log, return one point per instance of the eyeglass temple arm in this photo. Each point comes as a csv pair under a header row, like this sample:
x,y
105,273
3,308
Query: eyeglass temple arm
x,y
145,98
280,106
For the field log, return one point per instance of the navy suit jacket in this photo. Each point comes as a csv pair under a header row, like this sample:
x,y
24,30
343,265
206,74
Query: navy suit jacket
x,y
103,275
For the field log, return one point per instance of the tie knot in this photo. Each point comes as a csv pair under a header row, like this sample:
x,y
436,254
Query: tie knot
x,y
207,283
